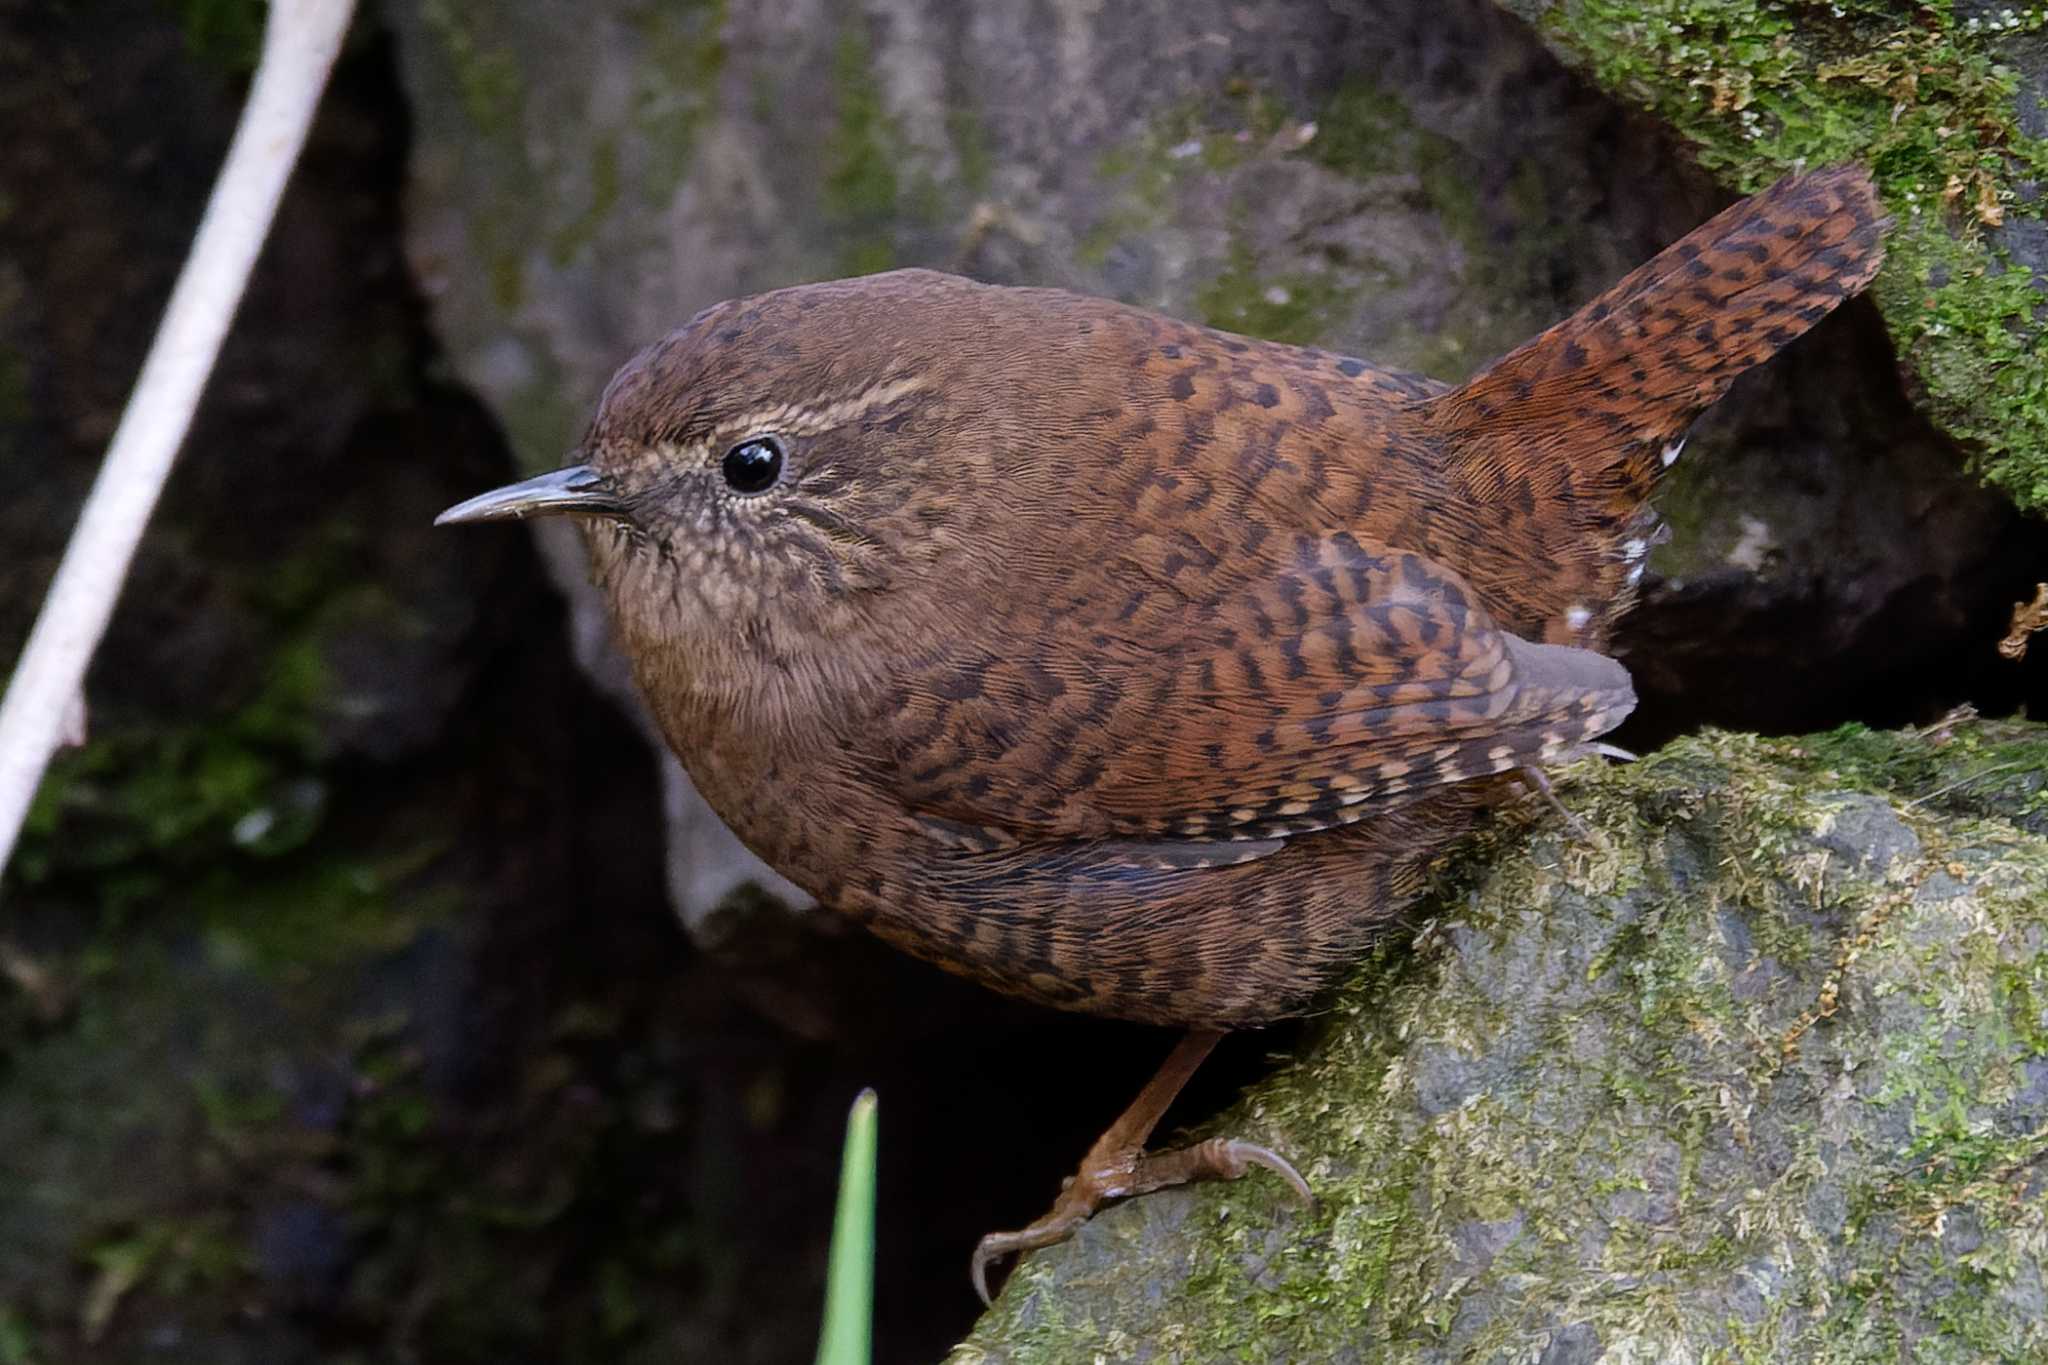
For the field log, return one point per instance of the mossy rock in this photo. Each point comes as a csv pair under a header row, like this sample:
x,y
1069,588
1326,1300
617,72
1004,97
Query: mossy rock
x,y
1946,102
1757,1072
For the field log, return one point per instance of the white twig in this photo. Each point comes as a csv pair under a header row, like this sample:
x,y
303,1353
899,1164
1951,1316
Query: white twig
x,y
300,42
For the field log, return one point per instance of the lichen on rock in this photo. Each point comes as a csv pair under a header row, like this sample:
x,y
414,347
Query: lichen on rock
x,y
1757,1072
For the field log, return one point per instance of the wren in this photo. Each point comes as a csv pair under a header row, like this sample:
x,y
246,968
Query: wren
x,y
1135,667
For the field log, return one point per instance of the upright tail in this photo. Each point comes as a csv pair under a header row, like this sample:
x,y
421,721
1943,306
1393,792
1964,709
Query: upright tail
x,y
1582,419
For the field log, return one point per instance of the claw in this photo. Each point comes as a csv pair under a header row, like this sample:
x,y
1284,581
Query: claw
x,y
1241,1155
1062,1222
1128,1173
977,1269
1117,1166
986,1250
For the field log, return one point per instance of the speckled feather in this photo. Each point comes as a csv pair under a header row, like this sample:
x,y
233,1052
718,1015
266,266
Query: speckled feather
x,y
1136,667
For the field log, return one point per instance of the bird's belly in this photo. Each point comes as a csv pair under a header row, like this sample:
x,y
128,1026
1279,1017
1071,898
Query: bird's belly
x,y
1222,946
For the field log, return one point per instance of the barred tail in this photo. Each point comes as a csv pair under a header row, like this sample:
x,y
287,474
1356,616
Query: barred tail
x,y
1581,420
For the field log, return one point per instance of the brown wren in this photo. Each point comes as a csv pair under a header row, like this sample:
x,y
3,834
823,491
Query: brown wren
x,y
1135,667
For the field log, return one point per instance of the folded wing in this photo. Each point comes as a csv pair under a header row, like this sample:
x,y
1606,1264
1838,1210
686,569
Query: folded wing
x,y
1343,677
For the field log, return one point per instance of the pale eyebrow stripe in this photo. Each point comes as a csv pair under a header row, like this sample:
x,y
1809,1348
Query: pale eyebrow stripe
x,y
790,419
810,421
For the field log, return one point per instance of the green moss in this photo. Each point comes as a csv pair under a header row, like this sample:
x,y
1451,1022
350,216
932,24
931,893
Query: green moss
x,y
174,1256
435,1202
218,834
1364,130
977,158
1992,769
1185,156
129,801
1972,324
486,75
1361,131
139,807
1759,87
1193,143
317,914
1504,283
861,187
566,241
676,86
1294,307
227,33
2023,996
17,1339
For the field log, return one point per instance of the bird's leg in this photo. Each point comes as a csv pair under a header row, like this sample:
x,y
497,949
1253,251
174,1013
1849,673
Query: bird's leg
x,y
1117,1166
1537,781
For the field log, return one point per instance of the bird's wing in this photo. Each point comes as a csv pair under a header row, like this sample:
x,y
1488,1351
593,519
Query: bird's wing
x,y
1341,676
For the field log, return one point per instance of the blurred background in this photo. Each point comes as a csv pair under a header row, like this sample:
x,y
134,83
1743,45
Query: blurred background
x,y
370,987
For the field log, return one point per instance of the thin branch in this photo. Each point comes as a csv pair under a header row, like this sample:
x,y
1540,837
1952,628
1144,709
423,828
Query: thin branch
x,y
300,43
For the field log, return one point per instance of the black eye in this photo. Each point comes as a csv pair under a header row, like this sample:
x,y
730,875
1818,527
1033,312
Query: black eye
x,y
752,466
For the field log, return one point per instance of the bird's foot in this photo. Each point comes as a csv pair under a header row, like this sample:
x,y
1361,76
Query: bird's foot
x,y
1122,1172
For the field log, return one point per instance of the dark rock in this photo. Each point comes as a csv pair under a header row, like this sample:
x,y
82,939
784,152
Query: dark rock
x,y
1865,831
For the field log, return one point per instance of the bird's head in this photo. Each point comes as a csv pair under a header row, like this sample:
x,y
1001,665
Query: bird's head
x,y
764,478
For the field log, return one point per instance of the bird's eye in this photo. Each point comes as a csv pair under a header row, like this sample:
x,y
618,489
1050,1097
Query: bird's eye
x,y
752,466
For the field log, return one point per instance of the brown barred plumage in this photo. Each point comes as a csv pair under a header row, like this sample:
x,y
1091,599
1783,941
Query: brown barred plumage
x,y
1061,610
1136,667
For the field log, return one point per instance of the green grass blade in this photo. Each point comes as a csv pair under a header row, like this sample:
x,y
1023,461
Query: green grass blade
x,y
850,1276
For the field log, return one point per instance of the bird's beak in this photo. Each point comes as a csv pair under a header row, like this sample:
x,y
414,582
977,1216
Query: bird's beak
x,y
576,491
